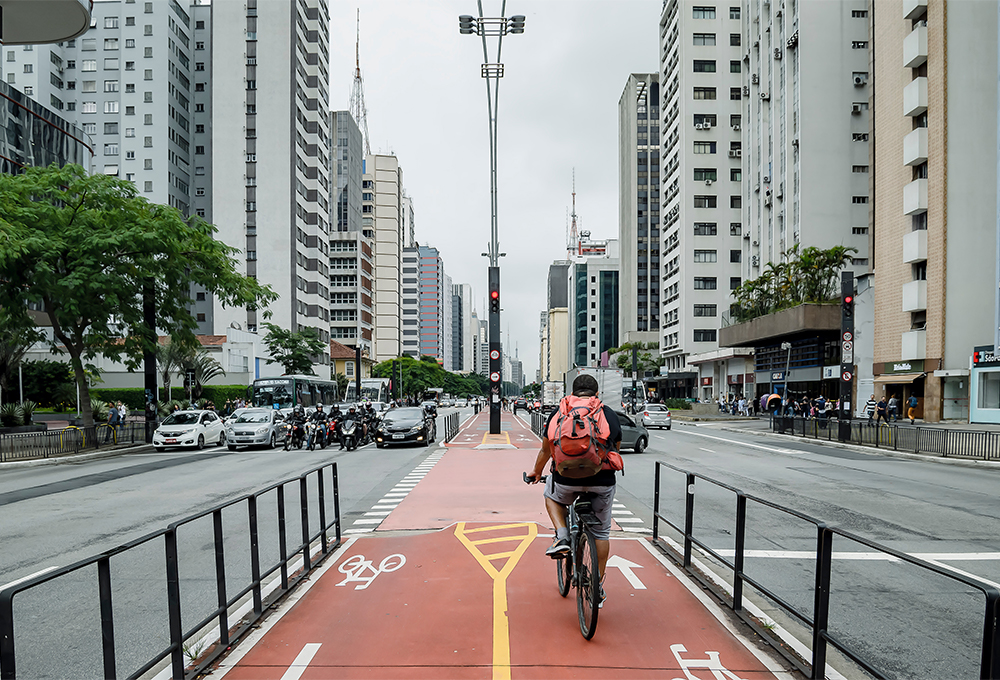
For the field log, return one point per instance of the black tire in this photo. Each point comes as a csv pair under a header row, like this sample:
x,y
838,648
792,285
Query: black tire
x,y
274,442
588,585
222,438
668,427
640,445
159,449
232,447
201,442
564,574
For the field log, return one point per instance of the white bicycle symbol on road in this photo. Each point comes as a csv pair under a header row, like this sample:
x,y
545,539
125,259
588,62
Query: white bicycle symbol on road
x,y
356,567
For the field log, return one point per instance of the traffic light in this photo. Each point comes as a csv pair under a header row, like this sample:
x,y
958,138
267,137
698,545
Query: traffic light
x,y
494,290
516,24
466,24
495,301
848,306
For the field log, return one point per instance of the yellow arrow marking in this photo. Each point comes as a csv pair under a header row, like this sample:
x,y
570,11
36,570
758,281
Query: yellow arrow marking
x,y
501,628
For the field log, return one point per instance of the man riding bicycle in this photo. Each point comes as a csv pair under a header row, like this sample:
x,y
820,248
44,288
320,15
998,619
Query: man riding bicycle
x,y
561,491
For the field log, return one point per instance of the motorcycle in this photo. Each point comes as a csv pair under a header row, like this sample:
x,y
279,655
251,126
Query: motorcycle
x,y
349,431
295,437
315,431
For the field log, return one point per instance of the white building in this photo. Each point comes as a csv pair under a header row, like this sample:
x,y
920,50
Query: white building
x,y
592,306
382,200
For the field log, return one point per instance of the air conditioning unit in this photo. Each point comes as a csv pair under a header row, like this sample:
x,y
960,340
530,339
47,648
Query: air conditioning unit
x,y
756,189
708,182
733,153
754,261
767,180
860,81
778,13
754,79
756,43
795,143
765,96
755,243
855,108
777,53
746,91
699,126
736,127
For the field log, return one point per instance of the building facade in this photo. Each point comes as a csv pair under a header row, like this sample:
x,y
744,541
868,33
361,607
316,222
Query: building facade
x,y
38,137
462,314
382,199
592,306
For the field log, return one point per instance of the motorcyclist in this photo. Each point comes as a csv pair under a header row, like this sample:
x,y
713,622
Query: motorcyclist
x,y
351,414
333,423
297,418
319,418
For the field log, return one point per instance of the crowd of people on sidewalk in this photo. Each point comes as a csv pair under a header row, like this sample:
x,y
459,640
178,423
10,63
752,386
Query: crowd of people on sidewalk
x,y
888,410
736,405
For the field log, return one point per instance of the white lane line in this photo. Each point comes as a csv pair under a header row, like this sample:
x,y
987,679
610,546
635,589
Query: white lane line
x,y
628,519
359,531
381,513
642,530
621,512
301,662
709,450
385,507
28,577
368,521
739,443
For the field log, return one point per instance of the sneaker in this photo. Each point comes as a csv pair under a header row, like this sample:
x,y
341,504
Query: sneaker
x,y
600,604
559,548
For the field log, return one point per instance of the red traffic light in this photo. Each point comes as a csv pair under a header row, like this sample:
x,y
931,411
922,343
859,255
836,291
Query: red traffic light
x,y
848,299
494,294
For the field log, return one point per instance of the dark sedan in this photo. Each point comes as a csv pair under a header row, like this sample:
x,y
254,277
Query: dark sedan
x,y
405,426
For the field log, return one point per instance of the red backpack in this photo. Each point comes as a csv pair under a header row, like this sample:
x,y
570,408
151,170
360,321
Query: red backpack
x,y
579,434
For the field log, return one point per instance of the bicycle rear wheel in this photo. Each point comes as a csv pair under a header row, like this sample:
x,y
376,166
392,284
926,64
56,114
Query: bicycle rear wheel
x,y
588,585
564,574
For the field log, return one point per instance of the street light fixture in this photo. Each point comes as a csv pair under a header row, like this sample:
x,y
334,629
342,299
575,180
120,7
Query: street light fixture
x,y
492,71
788,361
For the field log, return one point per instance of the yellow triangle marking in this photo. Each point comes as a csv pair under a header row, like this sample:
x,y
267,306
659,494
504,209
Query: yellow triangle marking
x,y
498,527
498,539
496,556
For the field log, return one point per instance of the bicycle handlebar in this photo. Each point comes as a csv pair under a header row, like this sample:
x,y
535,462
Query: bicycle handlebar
x,y
529,480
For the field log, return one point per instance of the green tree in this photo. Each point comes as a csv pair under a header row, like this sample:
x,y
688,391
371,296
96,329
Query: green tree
x,y
85,247
45,381
342,382
17,335
170,358
294,350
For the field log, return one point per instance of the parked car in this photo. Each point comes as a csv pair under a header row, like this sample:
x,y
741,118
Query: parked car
x,y
655,415
256,427
189,428
404,426
634,434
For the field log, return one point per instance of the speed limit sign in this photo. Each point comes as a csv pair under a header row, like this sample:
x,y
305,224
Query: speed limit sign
x,y
495,354
494,376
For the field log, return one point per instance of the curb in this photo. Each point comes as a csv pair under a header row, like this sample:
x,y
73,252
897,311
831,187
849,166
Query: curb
x,y
77,458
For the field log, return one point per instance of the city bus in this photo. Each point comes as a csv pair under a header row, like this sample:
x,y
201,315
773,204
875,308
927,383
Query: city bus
x,y
293,390
372,389
433,394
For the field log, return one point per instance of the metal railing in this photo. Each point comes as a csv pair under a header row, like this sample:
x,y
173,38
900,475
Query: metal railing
x,y
538,423
450,426
818,621
947,442
68,440
312,510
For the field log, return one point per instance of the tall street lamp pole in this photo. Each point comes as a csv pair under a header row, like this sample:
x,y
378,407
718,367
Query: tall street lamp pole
x,y
492,72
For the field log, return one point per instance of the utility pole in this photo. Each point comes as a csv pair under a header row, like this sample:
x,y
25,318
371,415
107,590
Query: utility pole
x,y
846,355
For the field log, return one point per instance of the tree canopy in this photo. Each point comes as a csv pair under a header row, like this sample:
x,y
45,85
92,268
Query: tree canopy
x,y
82,248
420,375
294,350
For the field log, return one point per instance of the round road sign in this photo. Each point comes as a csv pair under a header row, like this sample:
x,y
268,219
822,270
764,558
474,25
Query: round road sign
x,y
495,354
848,336
847,376
494,376
848,346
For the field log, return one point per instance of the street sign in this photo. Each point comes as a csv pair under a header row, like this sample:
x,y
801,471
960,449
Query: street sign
x,y
848,336
847,376
847,352
495,377
495,354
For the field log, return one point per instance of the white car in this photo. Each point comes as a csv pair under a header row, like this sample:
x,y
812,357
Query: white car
x,y
655,415
189,428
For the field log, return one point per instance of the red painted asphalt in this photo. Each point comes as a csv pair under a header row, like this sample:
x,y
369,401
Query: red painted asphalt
x,y
475,597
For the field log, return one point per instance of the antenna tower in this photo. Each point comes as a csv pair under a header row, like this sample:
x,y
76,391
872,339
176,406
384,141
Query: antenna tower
x,y
358,109
572,248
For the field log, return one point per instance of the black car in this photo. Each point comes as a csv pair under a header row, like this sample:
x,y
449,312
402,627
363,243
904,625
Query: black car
x,y
405,426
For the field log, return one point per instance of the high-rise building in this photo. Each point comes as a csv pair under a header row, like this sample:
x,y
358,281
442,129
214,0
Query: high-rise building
x,y
411,302
462,314
434,305
592,306
382,187
639,208
37,136
934,209
557,359
272,153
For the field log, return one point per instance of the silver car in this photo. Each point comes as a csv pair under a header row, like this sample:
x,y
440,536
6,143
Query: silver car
x,y
256,427
634,434
655,415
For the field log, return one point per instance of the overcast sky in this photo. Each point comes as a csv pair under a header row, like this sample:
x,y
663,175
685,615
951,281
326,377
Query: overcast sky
x,y
558,111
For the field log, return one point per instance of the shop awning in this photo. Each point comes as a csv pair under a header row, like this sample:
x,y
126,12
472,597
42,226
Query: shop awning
x,y
898,378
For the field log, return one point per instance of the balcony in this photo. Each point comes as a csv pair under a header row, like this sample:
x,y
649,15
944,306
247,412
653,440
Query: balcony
x,y
915,48
915,197
29,22
914,345
915,296
915,97
914,8
915,246
915,147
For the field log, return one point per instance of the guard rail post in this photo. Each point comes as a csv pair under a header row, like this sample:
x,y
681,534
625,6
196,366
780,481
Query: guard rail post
x,y
258,606
688,518
656,502
304,508
107,617
174,604
220,577
821,606
282,538
741,533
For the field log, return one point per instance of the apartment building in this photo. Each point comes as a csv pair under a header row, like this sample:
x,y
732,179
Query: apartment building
x,y
382,200
934,209
592,306
639,207
462,313
556,360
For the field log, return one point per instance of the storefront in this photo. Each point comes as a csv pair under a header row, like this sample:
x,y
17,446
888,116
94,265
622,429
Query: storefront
x,y
900,379
984,395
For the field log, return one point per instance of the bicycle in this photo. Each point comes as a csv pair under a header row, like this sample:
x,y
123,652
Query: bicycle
x,y
580,567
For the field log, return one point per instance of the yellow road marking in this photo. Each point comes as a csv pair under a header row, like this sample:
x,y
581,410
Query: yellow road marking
x,y
502,438
499,539
501,627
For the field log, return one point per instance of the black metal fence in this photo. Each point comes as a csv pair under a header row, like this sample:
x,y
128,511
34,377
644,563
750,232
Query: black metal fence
x,y
947,442
69,440
313,489
450,426
781,591
538,423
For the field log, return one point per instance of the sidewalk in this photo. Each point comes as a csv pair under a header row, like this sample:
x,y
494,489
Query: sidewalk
x,y
453,582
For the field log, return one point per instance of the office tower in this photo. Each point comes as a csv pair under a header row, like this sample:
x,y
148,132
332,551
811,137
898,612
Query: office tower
x,y
38,136
934,208
639,207
592,306
352,254
382,187
411,302
434,305
557,360
462,314
272,154
543,344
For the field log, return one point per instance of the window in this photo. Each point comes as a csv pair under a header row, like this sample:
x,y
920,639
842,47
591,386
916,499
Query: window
x,y
130,155
704,66
705,256
199,66
859,44
735,255
734,12
130,21
734,282
705,201
110,149
704,38
111,43
29,68
90,128
199,150
200,108
147,186
199,128
859,230
704,147
705,119
129,110
705,229
110,64
734,66
701,174
199,45
88,86
147,74
88,107
29,90
200,191
147,142
10,80
129,43
859,168
704,13
147,119
705,310
859,199
88,65
147,29
129,88
89,44
735,202
147,97
734,39
735,94
147,164
201,315
111,128
704,93
735,175
10,55
199,25
735,229
147,52
110,85
200,212
859,13
148,8
704,334
199,87
705,283
129,65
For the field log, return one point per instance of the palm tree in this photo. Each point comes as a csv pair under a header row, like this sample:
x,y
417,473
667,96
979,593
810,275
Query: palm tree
x,y
205,368
169,358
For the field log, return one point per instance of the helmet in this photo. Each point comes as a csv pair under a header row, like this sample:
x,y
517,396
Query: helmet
x,y
298,409
352,408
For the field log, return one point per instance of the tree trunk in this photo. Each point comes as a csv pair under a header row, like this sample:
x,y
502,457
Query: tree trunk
x,y
86,412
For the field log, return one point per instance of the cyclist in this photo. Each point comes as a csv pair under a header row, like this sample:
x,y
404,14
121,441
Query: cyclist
x,y
561,491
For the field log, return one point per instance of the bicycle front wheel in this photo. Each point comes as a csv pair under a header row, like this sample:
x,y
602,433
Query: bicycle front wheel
x,y
588,585
564,574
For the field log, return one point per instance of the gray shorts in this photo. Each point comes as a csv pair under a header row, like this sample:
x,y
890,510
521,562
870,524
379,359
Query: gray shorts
x,y
603,498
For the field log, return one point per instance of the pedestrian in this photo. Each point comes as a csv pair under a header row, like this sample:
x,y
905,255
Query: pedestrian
x,y
870,408
881,411
113,420
821,410
742,405
911,411
893,408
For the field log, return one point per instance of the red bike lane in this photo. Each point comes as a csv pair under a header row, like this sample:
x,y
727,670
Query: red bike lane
x,y
455,584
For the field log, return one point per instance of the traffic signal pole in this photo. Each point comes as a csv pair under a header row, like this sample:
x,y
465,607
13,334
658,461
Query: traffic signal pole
x,y
496,363
846,354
